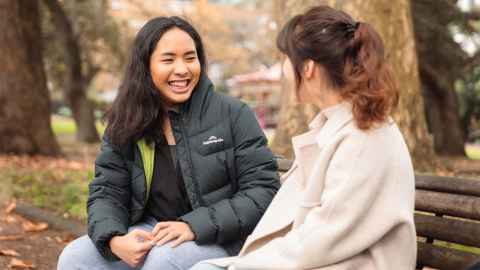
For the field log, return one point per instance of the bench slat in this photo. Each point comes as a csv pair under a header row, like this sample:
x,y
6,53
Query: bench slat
x,y
448,184
444,258
463,206
445,196
450,230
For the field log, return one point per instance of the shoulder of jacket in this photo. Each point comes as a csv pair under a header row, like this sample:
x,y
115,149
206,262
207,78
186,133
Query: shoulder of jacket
x,y
234,104
382,139
124,151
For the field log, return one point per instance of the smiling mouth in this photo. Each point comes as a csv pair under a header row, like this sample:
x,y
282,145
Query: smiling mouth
x,y
179,85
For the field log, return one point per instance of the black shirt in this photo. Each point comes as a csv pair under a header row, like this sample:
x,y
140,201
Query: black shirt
x,y
168,199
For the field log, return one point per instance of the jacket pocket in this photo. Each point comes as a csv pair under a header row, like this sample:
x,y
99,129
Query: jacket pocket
x,y
208,149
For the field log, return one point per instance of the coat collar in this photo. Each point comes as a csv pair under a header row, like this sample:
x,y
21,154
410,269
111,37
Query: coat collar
x,y
198,102
324,125
322,129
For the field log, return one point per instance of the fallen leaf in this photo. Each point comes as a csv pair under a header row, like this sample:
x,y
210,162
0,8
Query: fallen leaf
x,y
66,239
10,237
29,226
10,207
11,219
9,252
19,264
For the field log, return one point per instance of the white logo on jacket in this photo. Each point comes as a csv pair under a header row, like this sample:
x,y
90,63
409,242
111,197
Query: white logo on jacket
x,y
213,139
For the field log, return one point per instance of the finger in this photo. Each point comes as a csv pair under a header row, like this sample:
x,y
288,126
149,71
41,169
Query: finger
x,y
143,247
161,234
179,241
140,258
169,237
131,263
136,263
142,235
160,226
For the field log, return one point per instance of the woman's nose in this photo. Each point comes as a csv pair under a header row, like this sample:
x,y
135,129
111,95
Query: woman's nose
x,y
180,68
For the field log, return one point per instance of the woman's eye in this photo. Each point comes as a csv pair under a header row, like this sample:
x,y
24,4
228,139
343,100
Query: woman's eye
x,y
167,60
190,58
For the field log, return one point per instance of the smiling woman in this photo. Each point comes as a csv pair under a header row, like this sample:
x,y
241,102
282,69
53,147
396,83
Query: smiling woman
x,y
175,67
184,173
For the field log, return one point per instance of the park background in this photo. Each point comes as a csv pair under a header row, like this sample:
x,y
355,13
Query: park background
x,y
62,62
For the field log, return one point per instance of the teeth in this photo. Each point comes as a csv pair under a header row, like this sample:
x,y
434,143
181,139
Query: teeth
x,y
179,83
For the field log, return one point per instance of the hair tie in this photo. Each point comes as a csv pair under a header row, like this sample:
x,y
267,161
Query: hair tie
x,y
350,28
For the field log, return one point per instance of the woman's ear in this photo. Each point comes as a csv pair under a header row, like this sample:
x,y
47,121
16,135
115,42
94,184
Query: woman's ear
x,y
309,69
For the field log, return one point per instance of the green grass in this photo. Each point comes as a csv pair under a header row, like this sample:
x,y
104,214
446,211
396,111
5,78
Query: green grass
x,y
64,192
473,151
63,126
470,249
66,126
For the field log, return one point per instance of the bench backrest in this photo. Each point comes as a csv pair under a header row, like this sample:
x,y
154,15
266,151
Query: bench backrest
x,y
447,220
448,215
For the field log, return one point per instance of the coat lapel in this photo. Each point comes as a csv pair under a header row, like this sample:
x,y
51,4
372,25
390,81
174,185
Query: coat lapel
x,y
281,212
301,188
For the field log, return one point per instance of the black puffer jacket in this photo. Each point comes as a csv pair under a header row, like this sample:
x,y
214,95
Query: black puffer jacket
x,y
229,172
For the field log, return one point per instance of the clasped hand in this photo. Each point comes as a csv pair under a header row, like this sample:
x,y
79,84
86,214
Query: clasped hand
x,y
133,246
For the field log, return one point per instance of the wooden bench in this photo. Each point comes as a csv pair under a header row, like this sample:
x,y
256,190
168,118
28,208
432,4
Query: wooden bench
x,y
447,220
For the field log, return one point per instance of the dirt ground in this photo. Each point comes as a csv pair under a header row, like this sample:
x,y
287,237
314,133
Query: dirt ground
x,y
32,244
28,244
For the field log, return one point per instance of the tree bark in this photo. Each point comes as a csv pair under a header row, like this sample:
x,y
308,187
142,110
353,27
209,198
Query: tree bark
x,y
293,118
24,98
74,89
390,18
440,66
443,119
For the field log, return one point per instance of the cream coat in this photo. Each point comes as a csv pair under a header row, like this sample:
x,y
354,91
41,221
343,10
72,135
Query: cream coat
x,y
346,204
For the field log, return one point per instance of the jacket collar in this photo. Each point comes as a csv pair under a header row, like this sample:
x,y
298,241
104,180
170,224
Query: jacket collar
x,y
324,125
322,129
197,103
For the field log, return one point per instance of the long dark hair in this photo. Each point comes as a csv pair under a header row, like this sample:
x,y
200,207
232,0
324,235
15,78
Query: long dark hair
x,y
353,57
137,111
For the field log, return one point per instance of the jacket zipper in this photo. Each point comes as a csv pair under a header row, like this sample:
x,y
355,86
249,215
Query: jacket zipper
x,y
196,200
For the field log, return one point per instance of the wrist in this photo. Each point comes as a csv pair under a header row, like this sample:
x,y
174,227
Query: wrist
x,y
114,241
191,230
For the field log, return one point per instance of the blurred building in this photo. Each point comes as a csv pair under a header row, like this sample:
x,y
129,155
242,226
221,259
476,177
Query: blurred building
x,y
261,90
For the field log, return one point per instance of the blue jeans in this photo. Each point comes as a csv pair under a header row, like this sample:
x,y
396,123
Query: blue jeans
x,y
81,254
206,266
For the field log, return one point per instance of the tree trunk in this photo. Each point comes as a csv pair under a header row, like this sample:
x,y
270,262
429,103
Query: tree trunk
x,y
74,89
24,98
440,66
391,18
444,121
293,118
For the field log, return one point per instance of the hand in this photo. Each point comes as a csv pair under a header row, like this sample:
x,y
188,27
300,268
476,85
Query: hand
x,y
167,231
132,247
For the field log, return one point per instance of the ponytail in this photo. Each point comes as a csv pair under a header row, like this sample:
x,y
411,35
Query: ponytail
x,y
370,85
352,55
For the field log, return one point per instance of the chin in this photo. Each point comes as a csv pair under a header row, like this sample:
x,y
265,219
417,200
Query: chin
x,y
179,99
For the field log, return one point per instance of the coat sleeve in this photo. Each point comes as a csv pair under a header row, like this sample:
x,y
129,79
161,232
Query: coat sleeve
x,y
365,200
257,180
109,195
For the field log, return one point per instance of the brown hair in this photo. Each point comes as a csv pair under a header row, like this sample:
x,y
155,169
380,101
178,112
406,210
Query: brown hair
x,y
352,54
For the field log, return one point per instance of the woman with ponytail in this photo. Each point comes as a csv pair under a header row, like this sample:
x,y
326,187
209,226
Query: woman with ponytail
x,y
347,202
